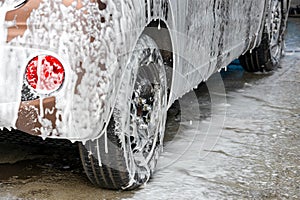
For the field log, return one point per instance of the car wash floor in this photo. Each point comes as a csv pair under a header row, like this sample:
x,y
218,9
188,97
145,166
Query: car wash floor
x,y
244,146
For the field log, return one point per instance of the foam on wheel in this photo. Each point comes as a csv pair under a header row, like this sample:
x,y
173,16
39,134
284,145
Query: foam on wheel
x,y
125,156
267,55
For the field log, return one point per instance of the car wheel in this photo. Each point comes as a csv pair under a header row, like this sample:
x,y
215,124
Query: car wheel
x,y
126,155
267,55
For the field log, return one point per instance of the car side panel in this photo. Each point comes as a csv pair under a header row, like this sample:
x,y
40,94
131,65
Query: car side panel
x,y
210,35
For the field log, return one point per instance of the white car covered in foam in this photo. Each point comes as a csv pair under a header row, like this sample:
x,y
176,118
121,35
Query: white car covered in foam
x,y
104,72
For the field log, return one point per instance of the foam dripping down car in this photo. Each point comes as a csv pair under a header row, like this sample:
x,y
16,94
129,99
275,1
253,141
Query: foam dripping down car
x,y
105,72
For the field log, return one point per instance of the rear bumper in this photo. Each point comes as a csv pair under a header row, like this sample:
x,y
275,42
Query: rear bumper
x,y
81,108
30,113
35,116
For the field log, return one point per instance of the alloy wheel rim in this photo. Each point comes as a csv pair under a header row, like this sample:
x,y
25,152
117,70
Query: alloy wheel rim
x,y
145,121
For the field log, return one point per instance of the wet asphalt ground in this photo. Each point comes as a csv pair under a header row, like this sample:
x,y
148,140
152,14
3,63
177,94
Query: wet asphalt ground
x,y
244,147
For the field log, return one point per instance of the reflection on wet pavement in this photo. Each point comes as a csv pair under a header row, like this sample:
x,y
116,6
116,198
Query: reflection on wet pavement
x,y
256,156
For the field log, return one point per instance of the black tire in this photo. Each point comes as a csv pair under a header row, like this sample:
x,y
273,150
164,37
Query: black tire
x,y
126,155
267,55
